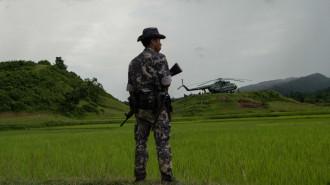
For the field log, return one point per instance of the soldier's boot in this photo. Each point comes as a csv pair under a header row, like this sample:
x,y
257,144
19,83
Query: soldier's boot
x,y
138,181
172,182
139,178
169,179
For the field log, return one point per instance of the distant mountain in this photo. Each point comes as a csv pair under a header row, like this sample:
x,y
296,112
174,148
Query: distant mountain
x,y
307,84
265,85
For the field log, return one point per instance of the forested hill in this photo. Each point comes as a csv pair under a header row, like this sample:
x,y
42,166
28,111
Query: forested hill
x,y
307,84
321,96
41,87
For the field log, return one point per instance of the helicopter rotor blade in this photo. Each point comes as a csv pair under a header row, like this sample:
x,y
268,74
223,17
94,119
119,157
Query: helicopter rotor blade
x,y
206,82
235,79
199,83
217,79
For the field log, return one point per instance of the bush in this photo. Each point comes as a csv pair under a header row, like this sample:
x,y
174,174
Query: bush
x,y
16,94
16,65
265,95
90,107
44,62
4,108
4,98
17,106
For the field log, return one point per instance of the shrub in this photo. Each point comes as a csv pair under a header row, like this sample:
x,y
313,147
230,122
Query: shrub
x,y
17,106
44,62
4,108
90,107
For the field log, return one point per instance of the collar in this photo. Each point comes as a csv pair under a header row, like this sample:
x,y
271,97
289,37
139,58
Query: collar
x,y
149,49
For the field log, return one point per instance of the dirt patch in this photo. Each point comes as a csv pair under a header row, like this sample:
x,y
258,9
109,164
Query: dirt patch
x,y
251,104
223,97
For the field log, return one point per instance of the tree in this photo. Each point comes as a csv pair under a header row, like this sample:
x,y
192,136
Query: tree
x,y
73,97
44,62
94,89
299,96
60,63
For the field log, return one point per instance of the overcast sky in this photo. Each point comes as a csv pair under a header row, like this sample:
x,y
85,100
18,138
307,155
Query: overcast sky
x,y
256,39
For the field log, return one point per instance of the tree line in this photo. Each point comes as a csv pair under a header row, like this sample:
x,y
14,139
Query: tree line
x,y
322,96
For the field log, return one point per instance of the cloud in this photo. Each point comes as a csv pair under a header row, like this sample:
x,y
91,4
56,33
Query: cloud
x,y
258,40
199,48
269,1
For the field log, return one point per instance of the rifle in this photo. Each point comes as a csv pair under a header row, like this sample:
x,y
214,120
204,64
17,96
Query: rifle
x,y
133,104
175,69
133,108
128,115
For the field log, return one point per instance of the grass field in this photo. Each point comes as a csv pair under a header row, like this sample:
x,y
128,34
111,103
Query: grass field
x,y
52,120
290,149
258,102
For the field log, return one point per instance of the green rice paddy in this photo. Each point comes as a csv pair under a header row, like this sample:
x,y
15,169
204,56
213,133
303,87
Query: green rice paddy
x,y
289,149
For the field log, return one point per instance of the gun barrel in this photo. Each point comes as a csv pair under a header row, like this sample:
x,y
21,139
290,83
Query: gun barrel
x,y
128,115
123,122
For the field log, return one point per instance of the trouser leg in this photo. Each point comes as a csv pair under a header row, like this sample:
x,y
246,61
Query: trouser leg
x,y
141,134
162,133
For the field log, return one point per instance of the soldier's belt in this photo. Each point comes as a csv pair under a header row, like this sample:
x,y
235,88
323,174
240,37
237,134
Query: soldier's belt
x,y
146,101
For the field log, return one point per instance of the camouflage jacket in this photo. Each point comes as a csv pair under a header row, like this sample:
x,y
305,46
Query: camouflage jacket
x,y
148,72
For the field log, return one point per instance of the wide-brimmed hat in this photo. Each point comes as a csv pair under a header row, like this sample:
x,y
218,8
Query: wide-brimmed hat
x,y
150,33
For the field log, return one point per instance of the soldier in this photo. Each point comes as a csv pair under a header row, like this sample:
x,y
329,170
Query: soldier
x,y
148,81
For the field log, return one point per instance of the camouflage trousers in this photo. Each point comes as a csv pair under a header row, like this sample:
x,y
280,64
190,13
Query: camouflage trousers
x,y
162,132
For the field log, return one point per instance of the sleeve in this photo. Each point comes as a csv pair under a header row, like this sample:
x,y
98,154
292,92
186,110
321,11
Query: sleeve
x,y
164,73
130,86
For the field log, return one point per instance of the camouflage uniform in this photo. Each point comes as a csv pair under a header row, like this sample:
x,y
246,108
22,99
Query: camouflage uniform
x,y
149,72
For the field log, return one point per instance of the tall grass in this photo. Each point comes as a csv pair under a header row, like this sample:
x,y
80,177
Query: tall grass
x,y
284,150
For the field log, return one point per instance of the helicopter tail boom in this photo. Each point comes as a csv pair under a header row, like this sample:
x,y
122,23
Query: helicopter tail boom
x,y
193,89
184,86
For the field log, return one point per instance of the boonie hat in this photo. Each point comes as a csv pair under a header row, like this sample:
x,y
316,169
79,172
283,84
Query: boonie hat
x,y
150,33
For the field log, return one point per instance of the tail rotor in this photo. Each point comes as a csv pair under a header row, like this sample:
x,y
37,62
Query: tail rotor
x,y
181,85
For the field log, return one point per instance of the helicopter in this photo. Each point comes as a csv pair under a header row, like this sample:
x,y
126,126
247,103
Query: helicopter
x,y
219,85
